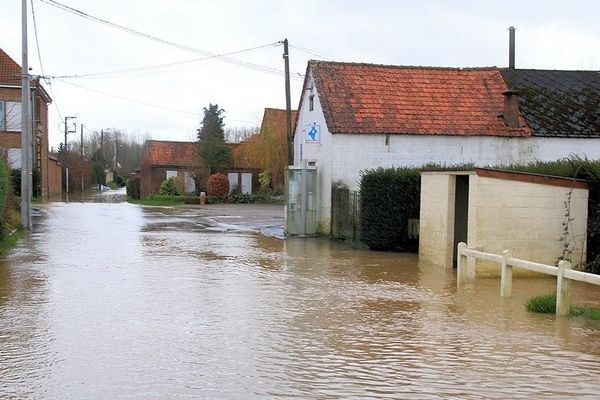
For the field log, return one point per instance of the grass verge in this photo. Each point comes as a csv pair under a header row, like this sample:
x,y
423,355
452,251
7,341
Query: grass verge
x,y
158,200
546,304
11,240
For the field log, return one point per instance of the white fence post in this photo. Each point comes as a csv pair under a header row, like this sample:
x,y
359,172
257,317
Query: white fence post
x,y
563,289
506,277
461,264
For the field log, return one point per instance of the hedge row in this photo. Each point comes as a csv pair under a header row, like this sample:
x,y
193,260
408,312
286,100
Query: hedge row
x,y
389,197
5,187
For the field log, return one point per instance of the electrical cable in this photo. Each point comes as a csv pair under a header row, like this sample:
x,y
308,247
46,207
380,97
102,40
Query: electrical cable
x,y
141,102
37,45
129,71
257,67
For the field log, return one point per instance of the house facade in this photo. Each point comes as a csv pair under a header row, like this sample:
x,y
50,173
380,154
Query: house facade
x,y
162,160
354,117
10,122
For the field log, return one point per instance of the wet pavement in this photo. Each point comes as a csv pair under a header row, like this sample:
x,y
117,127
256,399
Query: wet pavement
x,y
111,300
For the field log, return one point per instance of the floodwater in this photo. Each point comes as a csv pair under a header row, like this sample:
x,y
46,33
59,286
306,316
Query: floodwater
x,y
116,301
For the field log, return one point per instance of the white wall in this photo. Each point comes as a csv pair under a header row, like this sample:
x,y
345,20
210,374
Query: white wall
x,y
341,157
319,152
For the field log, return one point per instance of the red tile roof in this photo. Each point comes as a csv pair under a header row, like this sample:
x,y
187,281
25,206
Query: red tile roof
x,y
275,119
10,71
162,153
368,98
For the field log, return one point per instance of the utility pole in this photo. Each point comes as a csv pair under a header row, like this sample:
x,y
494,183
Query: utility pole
x,y
26,156
288,104
81,161
66,150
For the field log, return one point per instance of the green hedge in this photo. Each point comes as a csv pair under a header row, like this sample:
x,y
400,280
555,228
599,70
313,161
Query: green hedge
x,y
388,198
5,187
133,188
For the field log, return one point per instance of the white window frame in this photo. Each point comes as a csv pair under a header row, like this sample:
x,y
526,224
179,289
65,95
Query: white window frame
x,y
13,124
2,118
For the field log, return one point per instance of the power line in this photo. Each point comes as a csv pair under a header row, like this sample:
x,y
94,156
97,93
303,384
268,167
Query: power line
x,y
128,71
309,51
257,67
39,53
142,102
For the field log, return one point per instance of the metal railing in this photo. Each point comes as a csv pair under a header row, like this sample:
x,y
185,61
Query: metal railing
x,y
563,272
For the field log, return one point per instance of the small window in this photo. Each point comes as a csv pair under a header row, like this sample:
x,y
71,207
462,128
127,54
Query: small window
x,y
13,116
311,102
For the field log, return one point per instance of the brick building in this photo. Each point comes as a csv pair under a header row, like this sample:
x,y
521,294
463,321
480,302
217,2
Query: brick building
x,y
163,159
10,122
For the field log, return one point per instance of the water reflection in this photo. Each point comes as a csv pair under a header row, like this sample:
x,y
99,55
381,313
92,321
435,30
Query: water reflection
x,y
118,301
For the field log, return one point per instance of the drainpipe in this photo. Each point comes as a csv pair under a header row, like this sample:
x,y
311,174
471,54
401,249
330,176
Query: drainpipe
x,y
303,198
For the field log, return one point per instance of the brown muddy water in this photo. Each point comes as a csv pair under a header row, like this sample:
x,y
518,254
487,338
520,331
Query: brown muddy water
x,y
116,301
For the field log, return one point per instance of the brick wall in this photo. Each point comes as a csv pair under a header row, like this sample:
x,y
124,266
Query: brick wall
x,y
54,185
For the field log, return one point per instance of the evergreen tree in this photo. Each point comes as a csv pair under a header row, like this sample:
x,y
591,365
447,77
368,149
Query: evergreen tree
x,y
214,152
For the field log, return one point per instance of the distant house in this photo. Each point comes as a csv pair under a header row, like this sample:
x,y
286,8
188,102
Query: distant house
x,y
267,150
354,117
165,159
10,123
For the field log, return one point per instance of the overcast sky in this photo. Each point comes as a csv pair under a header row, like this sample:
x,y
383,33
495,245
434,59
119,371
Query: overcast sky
x,y
550,35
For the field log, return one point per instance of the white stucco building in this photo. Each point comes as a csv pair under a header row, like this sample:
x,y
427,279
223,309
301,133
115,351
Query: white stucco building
x,y
354,117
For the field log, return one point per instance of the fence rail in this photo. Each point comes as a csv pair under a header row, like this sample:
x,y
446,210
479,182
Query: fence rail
x,y
563,272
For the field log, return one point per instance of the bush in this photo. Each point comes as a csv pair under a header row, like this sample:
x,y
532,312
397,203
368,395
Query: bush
x,y
168,187
241,198
15,178
5,188
133,187
218,186
389,197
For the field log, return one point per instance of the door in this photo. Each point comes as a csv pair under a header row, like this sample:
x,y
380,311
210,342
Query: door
x,y
461,213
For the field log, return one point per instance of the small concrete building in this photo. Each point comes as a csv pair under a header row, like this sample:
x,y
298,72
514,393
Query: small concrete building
x,y
496,210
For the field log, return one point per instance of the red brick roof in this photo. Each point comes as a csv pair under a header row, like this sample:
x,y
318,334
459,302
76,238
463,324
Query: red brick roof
x,y
162,153
10,71
275,119
368,98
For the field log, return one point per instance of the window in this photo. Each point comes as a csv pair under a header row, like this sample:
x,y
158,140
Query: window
x,y
171,174
1,115
311,102
12,116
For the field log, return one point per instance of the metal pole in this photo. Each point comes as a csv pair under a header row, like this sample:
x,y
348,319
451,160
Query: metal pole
x,y
66,168
288,104
81,156
303,199
25,126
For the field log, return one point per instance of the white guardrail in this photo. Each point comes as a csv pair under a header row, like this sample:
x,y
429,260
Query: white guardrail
x,y
563,272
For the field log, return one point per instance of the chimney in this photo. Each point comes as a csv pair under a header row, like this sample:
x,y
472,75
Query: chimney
x,y
511,108
511,47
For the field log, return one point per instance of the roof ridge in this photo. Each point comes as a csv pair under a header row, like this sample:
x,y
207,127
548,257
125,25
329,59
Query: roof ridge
x,y
363,64
551,70
169,141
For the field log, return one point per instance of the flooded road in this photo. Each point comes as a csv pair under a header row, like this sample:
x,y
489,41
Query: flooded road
x,y
117,301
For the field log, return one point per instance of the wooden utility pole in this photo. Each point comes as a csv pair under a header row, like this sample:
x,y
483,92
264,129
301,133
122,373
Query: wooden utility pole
x,y
288,104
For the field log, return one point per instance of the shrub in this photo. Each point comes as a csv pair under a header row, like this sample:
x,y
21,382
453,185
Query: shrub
x,y
133,187
545,304
5,187
264,179
168,187
218,186
389,197
241,198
